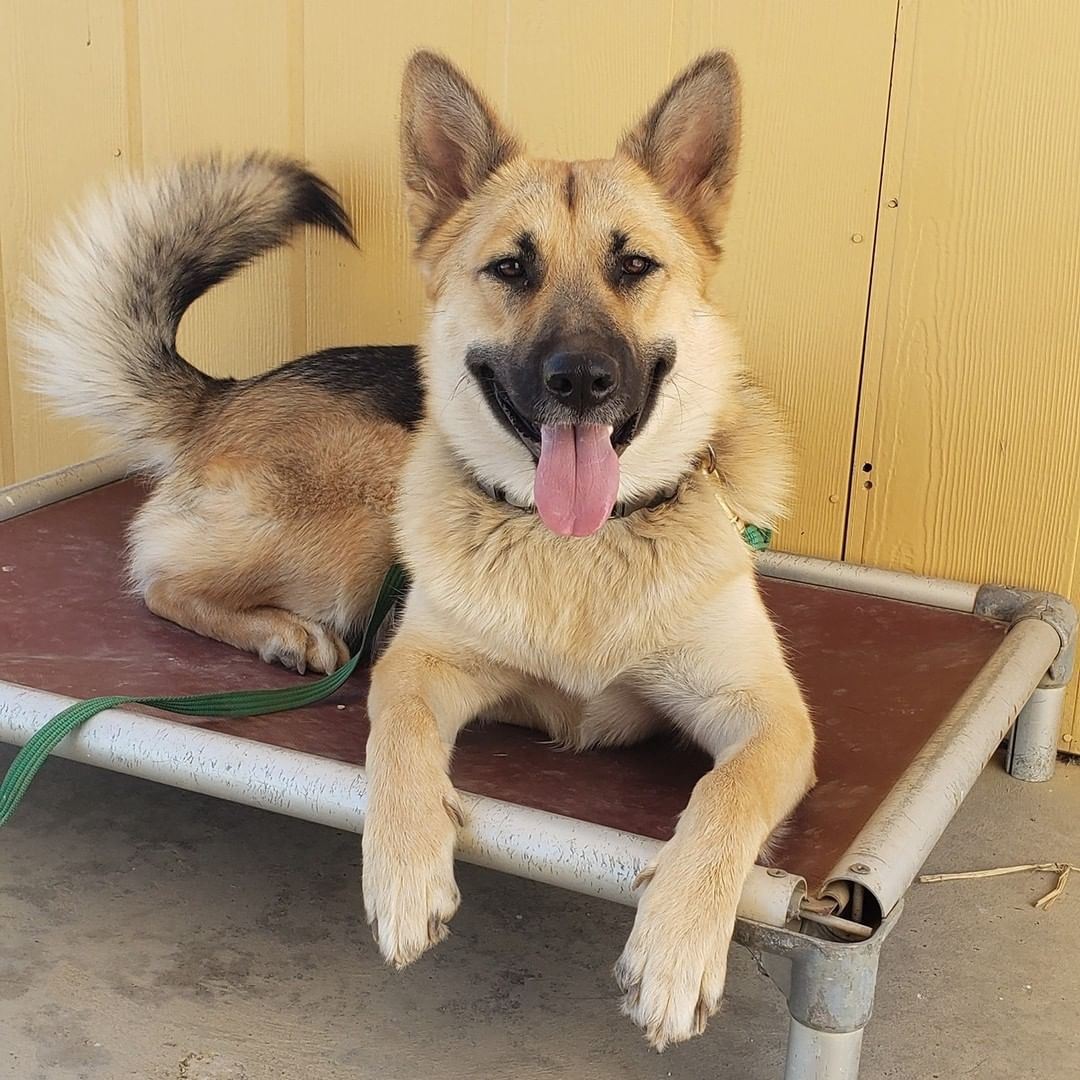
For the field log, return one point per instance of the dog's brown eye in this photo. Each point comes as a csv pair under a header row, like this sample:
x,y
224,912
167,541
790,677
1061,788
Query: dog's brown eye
x,y
635,265
508,270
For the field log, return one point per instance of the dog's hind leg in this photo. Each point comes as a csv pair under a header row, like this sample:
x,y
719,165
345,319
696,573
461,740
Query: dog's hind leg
x,y
215,556
272,632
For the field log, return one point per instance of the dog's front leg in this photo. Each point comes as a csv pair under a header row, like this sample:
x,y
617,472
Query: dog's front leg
x,y
422,694
732,692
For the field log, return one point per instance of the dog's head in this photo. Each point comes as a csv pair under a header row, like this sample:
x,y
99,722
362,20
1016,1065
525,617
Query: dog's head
x,y
571,355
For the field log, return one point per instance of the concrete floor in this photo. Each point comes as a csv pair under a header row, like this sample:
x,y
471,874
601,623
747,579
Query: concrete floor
x,y
152,934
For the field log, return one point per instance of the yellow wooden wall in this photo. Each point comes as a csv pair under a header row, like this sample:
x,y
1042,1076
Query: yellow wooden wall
x,y
901,258
970,411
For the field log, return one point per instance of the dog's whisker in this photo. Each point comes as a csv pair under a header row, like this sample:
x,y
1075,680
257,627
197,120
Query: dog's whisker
x,y
680,376
453,393
457,386
682,404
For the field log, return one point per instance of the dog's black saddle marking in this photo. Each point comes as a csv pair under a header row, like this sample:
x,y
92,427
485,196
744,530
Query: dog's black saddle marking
x,y
384,378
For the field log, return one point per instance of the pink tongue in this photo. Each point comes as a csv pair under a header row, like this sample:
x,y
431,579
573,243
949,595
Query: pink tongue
x,y
577,478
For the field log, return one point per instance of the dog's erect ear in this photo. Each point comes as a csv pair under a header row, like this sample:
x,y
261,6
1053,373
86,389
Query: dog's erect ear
x,y
688,142
451,140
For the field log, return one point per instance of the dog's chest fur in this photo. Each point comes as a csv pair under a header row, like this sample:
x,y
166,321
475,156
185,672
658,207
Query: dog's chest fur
x,y
572,612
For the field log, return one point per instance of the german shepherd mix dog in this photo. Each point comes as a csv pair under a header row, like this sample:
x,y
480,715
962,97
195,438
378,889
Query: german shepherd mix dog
x,y
558,466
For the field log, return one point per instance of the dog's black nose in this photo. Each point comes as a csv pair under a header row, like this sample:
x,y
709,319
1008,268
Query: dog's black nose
x,y
580,380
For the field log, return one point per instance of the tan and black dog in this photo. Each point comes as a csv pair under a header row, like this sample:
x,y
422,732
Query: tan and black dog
x,y
561,490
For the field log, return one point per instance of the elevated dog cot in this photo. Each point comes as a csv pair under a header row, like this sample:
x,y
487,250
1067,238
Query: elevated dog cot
x,y
913,684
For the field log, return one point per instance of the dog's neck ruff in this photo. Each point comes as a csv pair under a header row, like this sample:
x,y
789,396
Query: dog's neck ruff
x,y
757,537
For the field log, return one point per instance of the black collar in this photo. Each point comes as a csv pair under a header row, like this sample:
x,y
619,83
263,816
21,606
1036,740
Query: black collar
x,y
619,510
757,537
704,462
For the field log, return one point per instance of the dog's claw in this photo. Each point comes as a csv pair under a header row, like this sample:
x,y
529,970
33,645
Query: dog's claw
x,y
701,1015
452,807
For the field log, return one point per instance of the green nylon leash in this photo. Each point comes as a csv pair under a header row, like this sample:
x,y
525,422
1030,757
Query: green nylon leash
x,y
236,703
230,704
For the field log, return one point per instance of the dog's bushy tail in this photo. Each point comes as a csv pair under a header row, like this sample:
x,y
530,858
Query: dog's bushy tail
x,y
101,341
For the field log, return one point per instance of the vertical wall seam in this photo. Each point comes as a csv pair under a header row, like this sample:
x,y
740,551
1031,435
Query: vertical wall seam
x,y
299,263
7,347
857,418
7,417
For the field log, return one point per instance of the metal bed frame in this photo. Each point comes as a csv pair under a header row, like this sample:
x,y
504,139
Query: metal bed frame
x,y
822,951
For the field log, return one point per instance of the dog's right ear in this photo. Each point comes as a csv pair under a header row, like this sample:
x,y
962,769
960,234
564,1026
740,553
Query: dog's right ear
x,y
451,140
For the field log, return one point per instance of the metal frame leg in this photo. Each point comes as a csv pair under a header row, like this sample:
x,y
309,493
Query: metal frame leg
x,y
822,1055
1032,749
829,986
1032,752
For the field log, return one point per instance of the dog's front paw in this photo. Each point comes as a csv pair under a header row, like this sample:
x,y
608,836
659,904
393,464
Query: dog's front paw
x,y
673,967
410,894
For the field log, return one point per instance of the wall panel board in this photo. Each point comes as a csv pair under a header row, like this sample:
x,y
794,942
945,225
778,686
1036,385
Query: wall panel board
x,y
972,384
63,125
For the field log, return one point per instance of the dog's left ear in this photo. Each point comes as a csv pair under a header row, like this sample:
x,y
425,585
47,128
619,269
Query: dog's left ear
x,y
688,142
451,140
